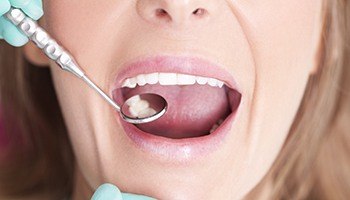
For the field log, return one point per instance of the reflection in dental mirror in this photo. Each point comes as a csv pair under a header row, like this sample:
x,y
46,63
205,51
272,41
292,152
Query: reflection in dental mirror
x,y
143,108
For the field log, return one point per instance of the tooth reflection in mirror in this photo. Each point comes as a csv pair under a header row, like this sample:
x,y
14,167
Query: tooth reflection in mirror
x,y
143,108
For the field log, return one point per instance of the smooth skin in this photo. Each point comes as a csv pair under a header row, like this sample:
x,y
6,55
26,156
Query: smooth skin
x,y
9,32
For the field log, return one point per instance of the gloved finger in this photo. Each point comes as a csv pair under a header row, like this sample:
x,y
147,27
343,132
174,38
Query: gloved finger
x,y
33,8
19,3
4,6
107,192
127,196
11,34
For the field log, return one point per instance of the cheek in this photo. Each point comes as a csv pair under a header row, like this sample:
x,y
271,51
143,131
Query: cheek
x,y
73,29
79,31
282,33
285,52
284,38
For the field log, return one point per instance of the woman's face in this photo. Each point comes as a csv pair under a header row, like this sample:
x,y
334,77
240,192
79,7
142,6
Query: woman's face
x,y
264,52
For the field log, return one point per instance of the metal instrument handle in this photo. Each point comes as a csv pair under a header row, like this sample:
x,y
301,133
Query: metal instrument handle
x,y
43,40
52,49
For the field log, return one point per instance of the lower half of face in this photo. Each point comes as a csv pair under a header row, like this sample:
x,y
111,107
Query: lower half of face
x,y
233,74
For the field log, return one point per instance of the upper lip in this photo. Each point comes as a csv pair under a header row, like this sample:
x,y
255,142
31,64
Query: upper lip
x,y
174,64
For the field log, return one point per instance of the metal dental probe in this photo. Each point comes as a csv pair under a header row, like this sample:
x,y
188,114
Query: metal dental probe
x,y
57,53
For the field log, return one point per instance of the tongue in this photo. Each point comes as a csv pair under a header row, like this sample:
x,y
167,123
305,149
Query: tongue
x,y
192,110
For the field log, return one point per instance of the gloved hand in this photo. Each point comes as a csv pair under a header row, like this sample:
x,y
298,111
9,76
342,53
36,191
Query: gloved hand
x,y
9,32
111,192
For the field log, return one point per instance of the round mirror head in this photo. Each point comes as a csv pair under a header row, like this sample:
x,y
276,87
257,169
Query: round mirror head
x,y
143,108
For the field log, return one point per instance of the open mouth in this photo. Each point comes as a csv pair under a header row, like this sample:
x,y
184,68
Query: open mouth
x,y
197,105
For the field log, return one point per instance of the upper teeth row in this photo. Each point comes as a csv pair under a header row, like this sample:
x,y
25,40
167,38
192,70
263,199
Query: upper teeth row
x,y
170,79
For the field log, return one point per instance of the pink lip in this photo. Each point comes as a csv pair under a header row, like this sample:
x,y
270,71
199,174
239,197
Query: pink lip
x,y
176,150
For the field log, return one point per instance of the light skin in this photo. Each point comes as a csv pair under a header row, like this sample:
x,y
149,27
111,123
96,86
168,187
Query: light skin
x,y
269,47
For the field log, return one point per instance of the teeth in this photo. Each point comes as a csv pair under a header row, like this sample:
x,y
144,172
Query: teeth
x,y
130,83
215,83
216,126
212,82
220,84
126,83
146,113
185,79
139,107
167,79
202,80
141,80
170,79
133,100
152,78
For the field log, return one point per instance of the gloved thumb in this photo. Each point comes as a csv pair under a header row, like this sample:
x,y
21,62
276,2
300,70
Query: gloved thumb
x,y
107,192
111,192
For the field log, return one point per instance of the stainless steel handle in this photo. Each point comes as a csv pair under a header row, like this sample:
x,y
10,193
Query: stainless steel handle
x,y
52,49
42,39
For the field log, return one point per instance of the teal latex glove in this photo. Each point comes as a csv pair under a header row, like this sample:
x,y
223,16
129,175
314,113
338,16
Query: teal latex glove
x,y
111,192
8,32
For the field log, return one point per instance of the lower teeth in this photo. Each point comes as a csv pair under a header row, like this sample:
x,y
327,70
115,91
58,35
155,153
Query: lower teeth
x,y
216,126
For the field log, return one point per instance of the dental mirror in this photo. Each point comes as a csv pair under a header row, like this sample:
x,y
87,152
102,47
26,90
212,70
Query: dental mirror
x,y
139,109
143,108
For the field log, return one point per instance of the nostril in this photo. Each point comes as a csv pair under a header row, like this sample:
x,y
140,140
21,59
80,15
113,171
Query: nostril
x,y
200,12
162,13
159,14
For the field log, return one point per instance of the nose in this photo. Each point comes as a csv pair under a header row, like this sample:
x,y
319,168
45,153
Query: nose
x,y
175,12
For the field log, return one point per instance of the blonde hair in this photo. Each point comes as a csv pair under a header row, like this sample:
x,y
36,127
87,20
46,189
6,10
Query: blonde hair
x,y
313,164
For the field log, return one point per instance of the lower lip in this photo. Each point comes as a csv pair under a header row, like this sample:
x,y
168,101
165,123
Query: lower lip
x,y
178,151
